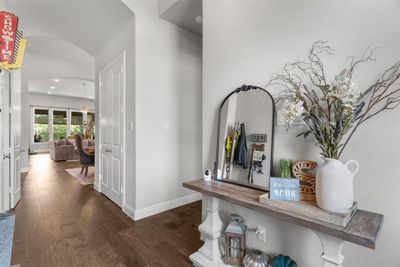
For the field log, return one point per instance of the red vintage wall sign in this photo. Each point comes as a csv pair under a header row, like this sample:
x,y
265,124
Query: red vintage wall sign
x,y
8,31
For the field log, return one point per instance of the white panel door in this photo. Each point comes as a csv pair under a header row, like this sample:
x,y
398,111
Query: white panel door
x,y
111,99
117,78
5,142
104,95
16,148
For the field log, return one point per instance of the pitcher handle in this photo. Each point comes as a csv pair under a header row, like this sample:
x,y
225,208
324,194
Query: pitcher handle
x,y
354,162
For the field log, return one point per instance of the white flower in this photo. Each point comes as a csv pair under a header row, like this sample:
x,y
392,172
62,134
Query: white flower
x,y
292,109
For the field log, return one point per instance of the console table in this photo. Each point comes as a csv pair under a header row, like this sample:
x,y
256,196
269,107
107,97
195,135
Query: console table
x,y
363,229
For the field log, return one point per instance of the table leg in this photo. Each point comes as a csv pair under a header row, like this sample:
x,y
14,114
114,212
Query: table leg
x,y
209,254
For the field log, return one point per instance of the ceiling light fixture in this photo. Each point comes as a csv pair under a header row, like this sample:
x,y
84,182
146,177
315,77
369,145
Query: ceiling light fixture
x,y
57,80
49,93
52,87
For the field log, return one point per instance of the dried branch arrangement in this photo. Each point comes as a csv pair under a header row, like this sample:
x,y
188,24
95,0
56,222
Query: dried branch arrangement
x,y
333,110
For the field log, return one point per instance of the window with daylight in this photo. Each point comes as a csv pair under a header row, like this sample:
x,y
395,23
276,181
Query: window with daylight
x,y
91,120
59,124
41,126
76,123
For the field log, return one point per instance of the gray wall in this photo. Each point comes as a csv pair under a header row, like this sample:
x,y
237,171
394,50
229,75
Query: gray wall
x,y
168,108
255,38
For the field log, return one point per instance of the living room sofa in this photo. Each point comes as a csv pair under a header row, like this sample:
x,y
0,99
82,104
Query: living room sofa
x,y
64,149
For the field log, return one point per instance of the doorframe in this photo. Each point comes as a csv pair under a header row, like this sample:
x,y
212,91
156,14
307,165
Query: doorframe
x,y
120,56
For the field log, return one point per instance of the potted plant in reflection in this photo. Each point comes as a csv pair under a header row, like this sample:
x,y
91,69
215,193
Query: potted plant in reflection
x,y
333,110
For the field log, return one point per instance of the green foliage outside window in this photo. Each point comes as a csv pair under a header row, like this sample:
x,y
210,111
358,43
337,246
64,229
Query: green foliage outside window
x,y
41,126
76,123
59,125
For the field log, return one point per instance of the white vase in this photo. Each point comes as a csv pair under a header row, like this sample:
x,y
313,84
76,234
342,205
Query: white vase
x,y
334,185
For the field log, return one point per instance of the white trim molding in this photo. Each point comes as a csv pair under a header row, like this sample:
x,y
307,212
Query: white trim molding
x,y
25,170
128,210
96,186
164,206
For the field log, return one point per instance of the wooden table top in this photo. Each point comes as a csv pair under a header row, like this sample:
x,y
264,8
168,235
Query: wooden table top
x,y
363,229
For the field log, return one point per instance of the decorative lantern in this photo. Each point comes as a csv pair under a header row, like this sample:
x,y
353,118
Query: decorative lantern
x,y
235,241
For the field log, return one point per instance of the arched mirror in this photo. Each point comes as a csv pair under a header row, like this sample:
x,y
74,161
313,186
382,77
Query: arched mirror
x,y
245,137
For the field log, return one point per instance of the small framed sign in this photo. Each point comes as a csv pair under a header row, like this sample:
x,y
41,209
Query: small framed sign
x,y
284,188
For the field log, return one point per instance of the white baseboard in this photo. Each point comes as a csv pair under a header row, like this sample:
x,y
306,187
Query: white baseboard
x,y
40,151
164,206
96,187
128,210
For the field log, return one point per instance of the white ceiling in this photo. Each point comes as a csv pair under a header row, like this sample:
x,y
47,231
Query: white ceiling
x,y
55,47
63,37
183,13
84,23
64,87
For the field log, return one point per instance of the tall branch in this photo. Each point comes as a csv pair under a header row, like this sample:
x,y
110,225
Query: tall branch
x,y
383,95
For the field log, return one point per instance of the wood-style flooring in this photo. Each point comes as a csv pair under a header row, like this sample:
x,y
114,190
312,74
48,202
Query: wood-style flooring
x,y
62,223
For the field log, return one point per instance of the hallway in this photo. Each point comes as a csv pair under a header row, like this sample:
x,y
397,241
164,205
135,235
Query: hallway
x,y
62,223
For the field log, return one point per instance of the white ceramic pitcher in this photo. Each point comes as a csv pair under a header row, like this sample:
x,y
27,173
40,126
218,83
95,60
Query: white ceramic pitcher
x,y
334,185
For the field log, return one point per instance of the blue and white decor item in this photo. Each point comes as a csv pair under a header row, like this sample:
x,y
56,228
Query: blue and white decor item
x,y
284,188
7,222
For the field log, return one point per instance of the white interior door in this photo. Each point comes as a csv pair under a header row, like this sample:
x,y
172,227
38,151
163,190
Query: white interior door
x,y
5,143
16,148
104,94
112,90
117,83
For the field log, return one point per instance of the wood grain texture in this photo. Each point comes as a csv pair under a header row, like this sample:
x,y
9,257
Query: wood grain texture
x,y
310,209
363,229
59,222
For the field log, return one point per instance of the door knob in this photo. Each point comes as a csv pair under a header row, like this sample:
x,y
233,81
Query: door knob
x,y
8,156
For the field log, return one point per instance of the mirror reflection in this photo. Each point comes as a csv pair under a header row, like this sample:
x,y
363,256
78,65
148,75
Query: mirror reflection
x,y
245,137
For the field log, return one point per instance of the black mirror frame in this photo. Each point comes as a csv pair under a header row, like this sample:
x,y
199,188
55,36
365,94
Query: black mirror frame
x,y
245,88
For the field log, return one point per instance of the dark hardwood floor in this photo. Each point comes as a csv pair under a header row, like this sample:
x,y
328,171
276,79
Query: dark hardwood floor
x,y
62,223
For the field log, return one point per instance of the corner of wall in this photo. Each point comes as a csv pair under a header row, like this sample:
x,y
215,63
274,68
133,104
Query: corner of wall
x,y
129,210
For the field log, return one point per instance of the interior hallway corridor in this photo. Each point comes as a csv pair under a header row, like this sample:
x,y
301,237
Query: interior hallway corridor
x,y
59,222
